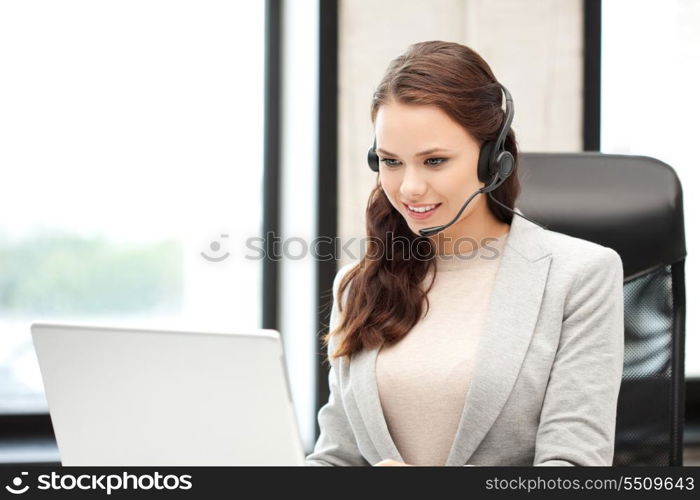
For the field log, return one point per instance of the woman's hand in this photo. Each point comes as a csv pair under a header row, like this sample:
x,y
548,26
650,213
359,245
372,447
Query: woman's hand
x,y
391,463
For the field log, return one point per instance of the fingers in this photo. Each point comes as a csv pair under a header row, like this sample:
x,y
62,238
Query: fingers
x,y
390,463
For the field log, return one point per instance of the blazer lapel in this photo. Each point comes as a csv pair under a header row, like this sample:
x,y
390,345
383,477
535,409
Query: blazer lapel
x,y
513,310
509,325
364,388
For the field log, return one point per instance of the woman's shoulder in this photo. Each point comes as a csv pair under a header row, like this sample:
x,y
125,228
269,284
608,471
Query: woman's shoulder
x,y
340,273
578,253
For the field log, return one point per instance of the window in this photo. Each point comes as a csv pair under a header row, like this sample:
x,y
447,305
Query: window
x,y
649,72
131,146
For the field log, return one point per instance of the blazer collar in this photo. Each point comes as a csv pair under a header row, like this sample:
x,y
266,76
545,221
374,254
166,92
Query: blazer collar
x,y
513,310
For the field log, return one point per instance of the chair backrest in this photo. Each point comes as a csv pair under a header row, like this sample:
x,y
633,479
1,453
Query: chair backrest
x,y
633,204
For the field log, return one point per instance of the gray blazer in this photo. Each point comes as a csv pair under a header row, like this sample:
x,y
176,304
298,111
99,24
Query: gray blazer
x,y
547,374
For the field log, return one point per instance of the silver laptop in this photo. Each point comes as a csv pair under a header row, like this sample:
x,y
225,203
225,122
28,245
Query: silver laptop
x,y
127,396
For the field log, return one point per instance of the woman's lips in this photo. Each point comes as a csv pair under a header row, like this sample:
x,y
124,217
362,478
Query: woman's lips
x,y
423,215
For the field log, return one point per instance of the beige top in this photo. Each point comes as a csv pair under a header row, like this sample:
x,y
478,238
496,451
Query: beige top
x,y
423,379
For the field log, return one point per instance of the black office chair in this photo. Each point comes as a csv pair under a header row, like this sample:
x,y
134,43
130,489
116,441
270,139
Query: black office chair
x,y
633,204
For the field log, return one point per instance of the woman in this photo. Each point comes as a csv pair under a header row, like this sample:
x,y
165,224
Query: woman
x,y
487,341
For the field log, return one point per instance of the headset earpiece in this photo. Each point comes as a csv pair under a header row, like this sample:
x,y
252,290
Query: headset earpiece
x,y
484,166
372,157
505,163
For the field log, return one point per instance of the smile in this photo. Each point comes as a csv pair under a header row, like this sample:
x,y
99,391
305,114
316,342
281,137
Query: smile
x,y
421,212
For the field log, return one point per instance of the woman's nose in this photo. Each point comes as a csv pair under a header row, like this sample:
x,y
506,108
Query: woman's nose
x,y
413,185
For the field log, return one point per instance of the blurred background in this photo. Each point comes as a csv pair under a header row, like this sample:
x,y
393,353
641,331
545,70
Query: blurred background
x,y
147,147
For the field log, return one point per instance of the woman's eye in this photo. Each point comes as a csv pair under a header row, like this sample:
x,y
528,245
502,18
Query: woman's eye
x,y
440,160
386,160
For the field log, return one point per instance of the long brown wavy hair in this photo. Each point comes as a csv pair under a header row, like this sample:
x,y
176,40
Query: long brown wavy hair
x,y
386,297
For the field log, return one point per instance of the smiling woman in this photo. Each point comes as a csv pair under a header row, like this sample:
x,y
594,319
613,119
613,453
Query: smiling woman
x,y
425,187
435,108
492,341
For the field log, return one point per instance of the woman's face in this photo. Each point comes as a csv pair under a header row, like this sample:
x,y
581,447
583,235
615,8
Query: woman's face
x,y
446,177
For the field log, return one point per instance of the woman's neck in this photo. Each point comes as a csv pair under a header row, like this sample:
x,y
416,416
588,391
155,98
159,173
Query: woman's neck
x,y
470,233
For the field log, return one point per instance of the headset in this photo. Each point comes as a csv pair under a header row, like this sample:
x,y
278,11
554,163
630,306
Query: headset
x,y
495,165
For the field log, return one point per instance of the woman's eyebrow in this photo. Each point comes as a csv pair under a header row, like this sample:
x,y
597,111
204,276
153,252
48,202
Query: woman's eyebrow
x,y
426,152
